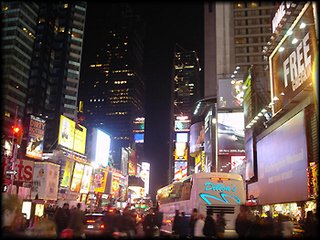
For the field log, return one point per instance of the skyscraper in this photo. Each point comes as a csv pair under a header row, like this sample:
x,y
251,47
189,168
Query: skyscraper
x,y
55,65
186,92
19,21
115,79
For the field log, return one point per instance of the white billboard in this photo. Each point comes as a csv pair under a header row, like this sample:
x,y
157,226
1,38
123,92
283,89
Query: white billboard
x,y
145,176
102,149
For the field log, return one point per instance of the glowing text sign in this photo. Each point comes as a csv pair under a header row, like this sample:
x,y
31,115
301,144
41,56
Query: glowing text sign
x,y
226,193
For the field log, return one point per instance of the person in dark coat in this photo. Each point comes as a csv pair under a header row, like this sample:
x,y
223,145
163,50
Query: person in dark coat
x,y
243,223
77,221
209,228
184,225
61,218
149,224
176,223
193,219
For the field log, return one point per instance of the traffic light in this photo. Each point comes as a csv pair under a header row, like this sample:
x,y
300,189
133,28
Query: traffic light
x,y
17,134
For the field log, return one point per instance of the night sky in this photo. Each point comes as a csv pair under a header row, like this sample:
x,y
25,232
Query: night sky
x,y
166,24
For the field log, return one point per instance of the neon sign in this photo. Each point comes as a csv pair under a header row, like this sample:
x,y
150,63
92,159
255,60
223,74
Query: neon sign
x,y
225,192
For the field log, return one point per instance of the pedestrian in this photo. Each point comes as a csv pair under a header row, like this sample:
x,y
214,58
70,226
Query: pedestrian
x,y
287,227
193,219
221,225
184,225
209,228
61,218
45,228
198,226
267,226
149,224
128,224
176,223
10,207
158,217
243,222
310,225
77,221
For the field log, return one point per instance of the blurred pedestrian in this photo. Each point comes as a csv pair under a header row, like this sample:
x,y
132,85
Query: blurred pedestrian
x,y
176,225
158,217
243,222
77,221
45,228
310,225
210,228
221,225
267,226
198,226
184,225
149,224
61,218
11,206
287,227
193,219
128,225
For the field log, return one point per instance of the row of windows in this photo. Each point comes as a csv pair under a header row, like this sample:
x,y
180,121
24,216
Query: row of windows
x,y
243,40
255,21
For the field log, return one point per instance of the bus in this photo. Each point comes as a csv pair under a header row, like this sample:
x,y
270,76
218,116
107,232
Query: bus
x,y
221,192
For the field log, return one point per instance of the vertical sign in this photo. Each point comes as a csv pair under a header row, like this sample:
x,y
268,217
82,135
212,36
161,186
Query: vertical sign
x,y
35,137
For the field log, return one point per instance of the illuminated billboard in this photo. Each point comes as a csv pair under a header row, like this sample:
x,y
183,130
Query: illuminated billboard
x,y
145,176
102,147
70,136
181,137
86,179
284,168
181,124
35,137
293,62
196,137
181,151
77,177
66,179
139,137
100,181
231,133
180,169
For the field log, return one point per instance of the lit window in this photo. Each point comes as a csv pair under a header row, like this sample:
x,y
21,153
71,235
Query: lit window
x,y
65,5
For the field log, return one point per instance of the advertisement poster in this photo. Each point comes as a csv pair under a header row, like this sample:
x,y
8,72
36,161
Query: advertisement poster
x,y
45,181
231,133
35,137
99,181
86,179
284,171
132,163
115,187
65,182
70,136
77,177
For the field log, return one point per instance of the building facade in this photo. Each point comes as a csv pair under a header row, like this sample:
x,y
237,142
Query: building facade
x,y
55,65
116,85
19,20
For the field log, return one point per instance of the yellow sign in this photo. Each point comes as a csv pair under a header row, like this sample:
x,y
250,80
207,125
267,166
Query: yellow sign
x,y
65,182
70,136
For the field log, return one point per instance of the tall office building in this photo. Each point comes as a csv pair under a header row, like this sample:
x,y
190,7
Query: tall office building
x,y
186,92
235,34
55,65
114,91
19,21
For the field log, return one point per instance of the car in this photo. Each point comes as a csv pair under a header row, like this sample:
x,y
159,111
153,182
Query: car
x,y
94,224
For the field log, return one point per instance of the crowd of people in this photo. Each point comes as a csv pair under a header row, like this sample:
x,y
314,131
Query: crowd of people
x,y
70,223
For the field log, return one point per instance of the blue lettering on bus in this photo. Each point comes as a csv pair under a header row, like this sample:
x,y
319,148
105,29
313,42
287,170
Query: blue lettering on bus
x,y
223,198
224,192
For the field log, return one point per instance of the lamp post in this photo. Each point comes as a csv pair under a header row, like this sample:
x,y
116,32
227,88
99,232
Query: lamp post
x,y
14,149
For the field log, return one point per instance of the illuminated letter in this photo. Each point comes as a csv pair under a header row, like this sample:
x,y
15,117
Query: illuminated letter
x,y
286,72
307,59
293,69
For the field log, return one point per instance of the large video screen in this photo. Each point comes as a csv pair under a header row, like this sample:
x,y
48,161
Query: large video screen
x,y
282,162
102,150
231,133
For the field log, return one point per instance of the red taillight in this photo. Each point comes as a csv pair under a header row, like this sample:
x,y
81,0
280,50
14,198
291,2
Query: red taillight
x,y
102,226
